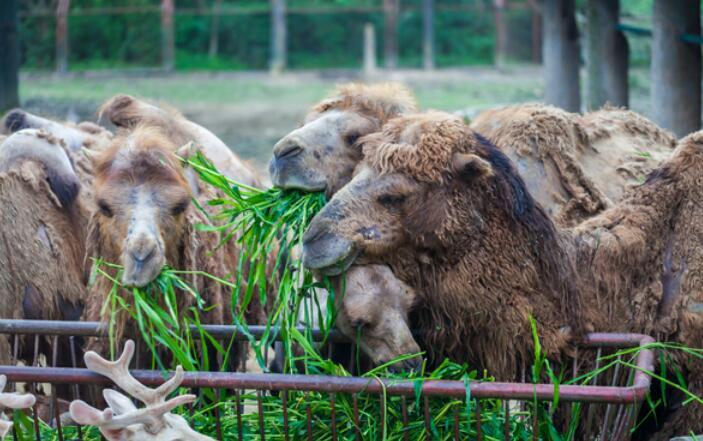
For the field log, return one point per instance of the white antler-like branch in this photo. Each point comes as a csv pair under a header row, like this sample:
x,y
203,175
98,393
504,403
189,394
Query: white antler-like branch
x,y
12,401
118,372
122,413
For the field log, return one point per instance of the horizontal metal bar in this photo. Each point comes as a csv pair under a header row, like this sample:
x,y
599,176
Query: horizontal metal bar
x,y
329,384
97,329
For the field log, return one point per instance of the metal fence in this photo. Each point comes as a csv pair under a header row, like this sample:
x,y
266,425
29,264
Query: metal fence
x,y
615,396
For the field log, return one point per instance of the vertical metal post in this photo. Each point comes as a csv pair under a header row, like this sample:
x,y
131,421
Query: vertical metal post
x,y
278,36
369,49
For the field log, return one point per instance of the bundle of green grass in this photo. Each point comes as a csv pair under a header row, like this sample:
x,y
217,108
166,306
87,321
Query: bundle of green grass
x,y
267,224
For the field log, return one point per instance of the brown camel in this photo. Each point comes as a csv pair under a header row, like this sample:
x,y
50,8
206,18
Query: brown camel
x,y
449,213
145,220
549,146
576,165
128,112
43,250
321,155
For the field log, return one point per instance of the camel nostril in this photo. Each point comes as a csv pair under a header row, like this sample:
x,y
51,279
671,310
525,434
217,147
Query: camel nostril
x,y
289,151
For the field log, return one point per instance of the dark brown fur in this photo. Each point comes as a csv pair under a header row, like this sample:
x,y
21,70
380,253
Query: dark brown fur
x,y
484,258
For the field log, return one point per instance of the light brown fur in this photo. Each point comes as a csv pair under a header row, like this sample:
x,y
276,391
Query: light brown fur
x,y
128,112
322,153
484,257
146,156
42,247
576,165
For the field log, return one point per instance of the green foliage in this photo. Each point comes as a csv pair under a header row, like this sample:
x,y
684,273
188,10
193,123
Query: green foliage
x,y
329,35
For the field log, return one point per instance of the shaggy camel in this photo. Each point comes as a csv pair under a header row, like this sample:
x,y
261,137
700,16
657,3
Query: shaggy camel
x,y
321,155
44,253
144,220
576,165
617,148
449,213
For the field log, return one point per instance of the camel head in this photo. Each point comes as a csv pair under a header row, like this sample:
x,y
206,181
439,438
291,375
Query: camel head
x,y
374,311
321,155
142,196
428,184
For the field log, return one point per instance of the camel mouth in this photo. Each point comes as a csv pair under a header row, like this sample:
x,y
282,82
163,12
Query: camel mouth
x,y
139,273
288,173
329,254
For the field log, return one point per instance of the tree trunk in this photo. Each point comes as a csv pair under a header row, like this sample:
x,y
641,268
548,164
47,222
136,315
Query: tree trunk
x,y
62,36
607,56
676,66
278,36
168,40
369,49
9,55
215,29
500,49
390,33
536,36
428,34
560,52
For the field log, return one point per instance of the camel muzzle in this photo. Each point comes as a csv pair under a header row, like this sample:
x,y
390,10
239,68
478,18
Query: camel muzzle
x,y
327,253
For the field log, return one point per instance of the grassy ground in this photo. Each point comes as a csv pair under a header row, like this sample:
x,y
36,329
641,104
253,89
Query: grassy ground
x,y
251,111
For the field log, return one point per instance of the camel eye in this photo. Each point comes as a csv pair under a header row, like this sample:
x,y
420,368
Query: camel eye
x,y
391,200
180,207
351,139
104,208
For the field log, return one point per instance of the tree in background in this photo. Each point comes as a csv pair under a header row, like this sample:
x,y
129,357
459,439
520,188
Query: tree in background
x,y
676,66
9,55
560,54
607,55
279,41
391,9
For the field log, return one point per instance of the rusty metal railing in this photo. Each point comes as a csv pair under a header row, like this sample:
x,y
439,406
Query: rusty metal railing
x,y
621,393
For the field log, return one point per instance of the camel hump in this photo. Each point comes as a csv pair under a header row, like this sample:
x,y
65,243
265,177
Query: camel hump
x,y
50,152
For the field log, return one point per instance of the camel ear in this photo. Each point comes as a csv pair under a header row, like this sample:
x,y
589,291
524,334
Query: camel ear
x,y
470,167
189,149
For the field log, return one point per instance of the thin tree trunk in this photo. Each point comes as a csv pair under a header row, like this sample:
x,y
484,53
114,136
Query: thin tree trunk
x,y
560,52
428,34
62,35
501,38
215,29
676,66
607,56
536,35
168,40
278,36
390,33
369,49
9,55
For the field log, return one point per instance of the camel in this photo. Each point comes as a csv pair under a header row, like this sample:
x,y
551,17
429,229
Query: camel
x,y
576,165
374,311
145,220
128,112
321,155
450,215
616,147
43,251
